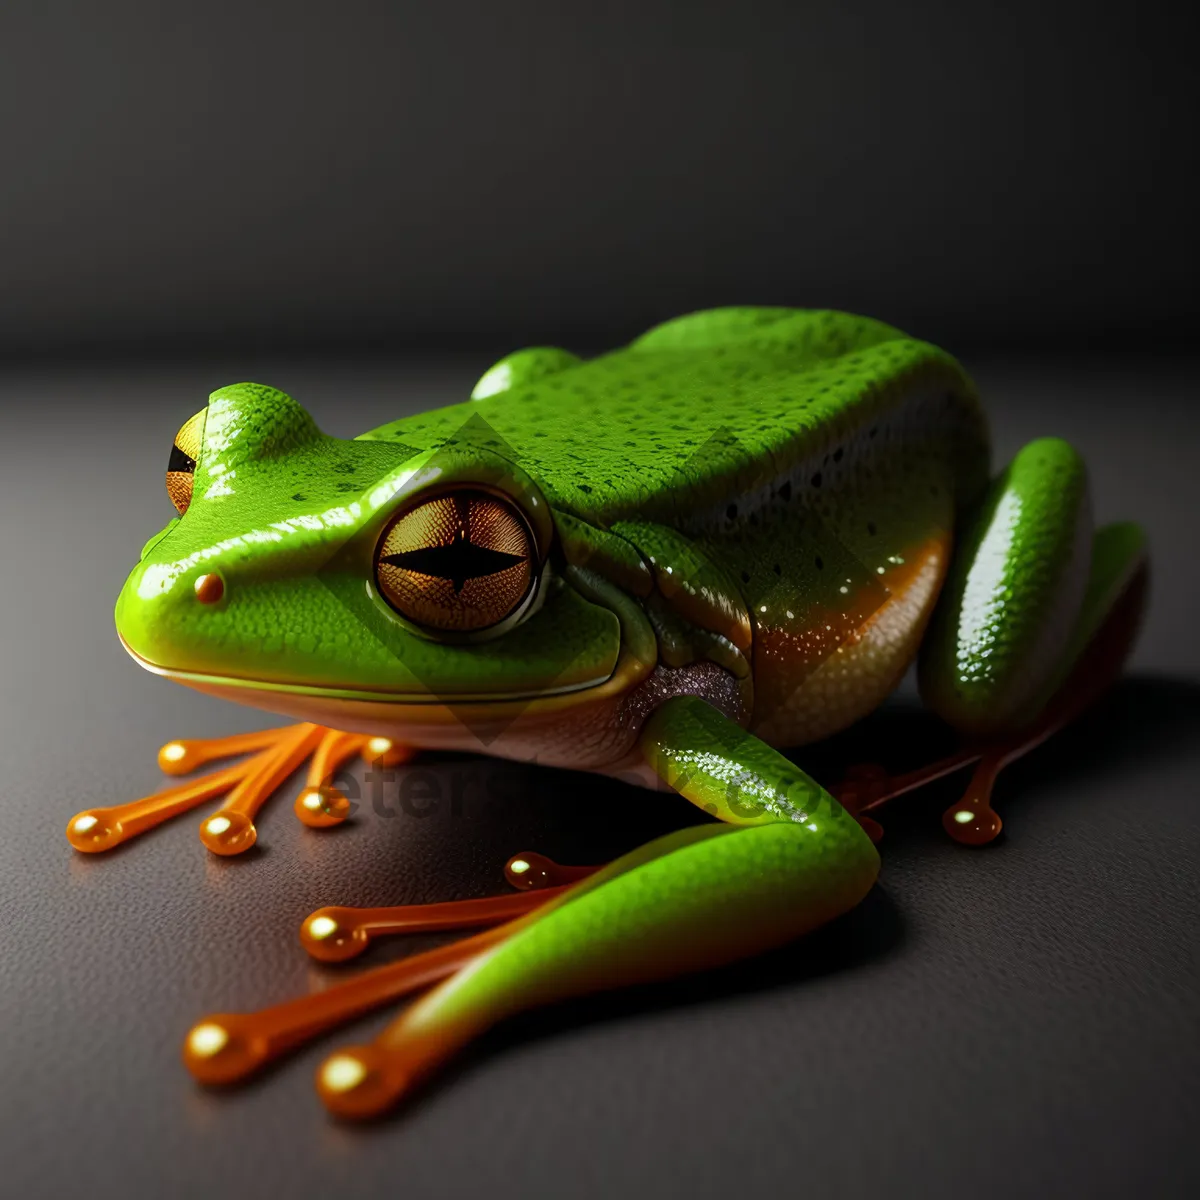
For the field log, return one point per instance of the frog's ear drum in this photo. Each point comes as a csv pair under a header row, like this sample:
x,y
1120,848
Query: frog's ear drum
x,y
462,562
182,465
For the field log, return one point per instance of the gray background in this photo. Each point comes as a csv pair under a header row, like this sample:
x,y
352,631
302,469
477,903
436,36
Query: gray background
x,y
408,174
365,207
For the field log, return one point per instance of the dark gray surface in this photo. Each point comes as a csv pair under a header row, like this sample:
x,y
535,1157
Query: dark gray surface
x,y
470,172
1019,1020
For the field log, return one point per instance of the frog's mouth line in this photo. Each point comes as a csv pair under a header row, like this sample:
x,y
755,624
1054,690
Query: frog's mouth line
x,y
307,699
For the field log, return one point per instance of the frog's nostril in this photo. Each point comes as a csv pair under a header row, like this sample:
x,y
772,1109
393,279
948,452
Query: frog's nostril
x,y
209,588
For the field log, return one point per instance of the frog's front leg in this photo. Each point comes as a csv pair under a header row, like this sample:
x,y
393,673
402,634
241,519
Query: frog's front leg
x,y
273,754
787,858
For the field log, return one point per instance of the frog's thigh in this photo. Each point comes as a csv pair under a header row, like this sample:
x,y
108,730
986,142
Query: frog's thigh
x,y
523,367
798,700
697,898
1002,634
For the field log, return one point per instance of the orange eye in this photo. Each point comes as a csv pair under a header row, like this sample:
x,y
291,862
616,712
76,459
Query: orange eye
x,y
181,468
462,561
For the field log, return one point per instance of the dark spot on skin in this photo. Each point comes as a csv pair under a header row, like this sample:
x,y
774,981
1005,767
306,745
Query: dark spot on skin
x,y
299,496
816,480
583,487
820,563
731,512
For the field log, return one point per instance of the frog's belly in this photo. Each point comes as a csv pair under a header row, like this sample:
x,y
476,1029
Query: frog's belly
x,y
807,687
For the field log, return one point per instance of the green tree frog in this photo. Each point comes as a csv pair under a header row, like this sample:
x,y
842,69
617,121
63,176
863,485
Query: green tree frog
x,y
734,534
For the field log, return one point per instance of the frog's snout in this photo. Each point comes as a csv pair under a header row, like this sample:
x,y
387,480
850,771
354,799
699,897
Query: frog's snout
x,y
160,614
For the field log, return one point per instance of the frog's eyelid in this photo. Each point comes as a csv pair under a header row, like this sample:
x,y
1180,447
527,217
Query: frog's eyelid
x,y
189,437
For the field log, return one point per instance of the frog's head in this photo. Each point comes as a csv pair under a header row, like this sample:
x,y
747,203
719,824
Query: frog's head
x,y
308,566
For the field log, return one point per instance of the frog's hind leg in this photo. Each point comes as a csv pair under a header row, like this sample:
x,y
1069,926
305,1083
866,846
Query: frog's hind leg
x,y
272,756
789,859
1036,620
698,898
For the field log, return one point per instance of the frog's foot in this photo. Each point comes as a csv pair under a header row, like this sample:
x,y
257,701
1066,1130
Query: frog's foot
x,y
972,820
336,933
273,754
866,787
229,1047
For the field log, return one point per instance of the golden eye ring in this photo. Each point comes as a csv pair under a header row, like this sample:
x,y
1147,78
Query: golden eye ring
x,y
459,562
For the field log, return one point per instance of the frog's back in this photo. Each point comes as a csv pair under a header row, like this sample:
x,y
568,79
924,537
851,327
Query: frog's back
x,y
702,408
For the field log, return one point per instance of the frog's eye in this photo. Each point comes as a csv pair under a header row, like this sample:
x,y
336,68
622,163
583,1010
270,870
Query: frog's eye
x,y
462,561
182,465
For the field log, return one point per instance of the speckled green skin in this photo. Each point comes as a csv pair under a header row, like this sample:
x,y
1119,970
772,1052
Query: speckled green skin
x,y
1014,593
728,471
733,776
705,409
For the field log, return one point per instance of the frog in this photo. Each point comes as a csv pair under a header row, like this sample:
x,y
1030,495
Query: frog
x,y
667,564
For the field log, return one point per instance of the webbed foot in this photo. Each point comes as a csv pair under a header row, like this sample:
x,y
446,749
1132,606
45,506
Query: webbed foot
x,y
229,1047
336,933
273,754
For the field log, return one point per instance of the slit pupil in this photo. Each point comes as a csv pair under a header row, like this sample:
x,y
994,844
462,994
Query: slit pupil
x,y
180,461
457,562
